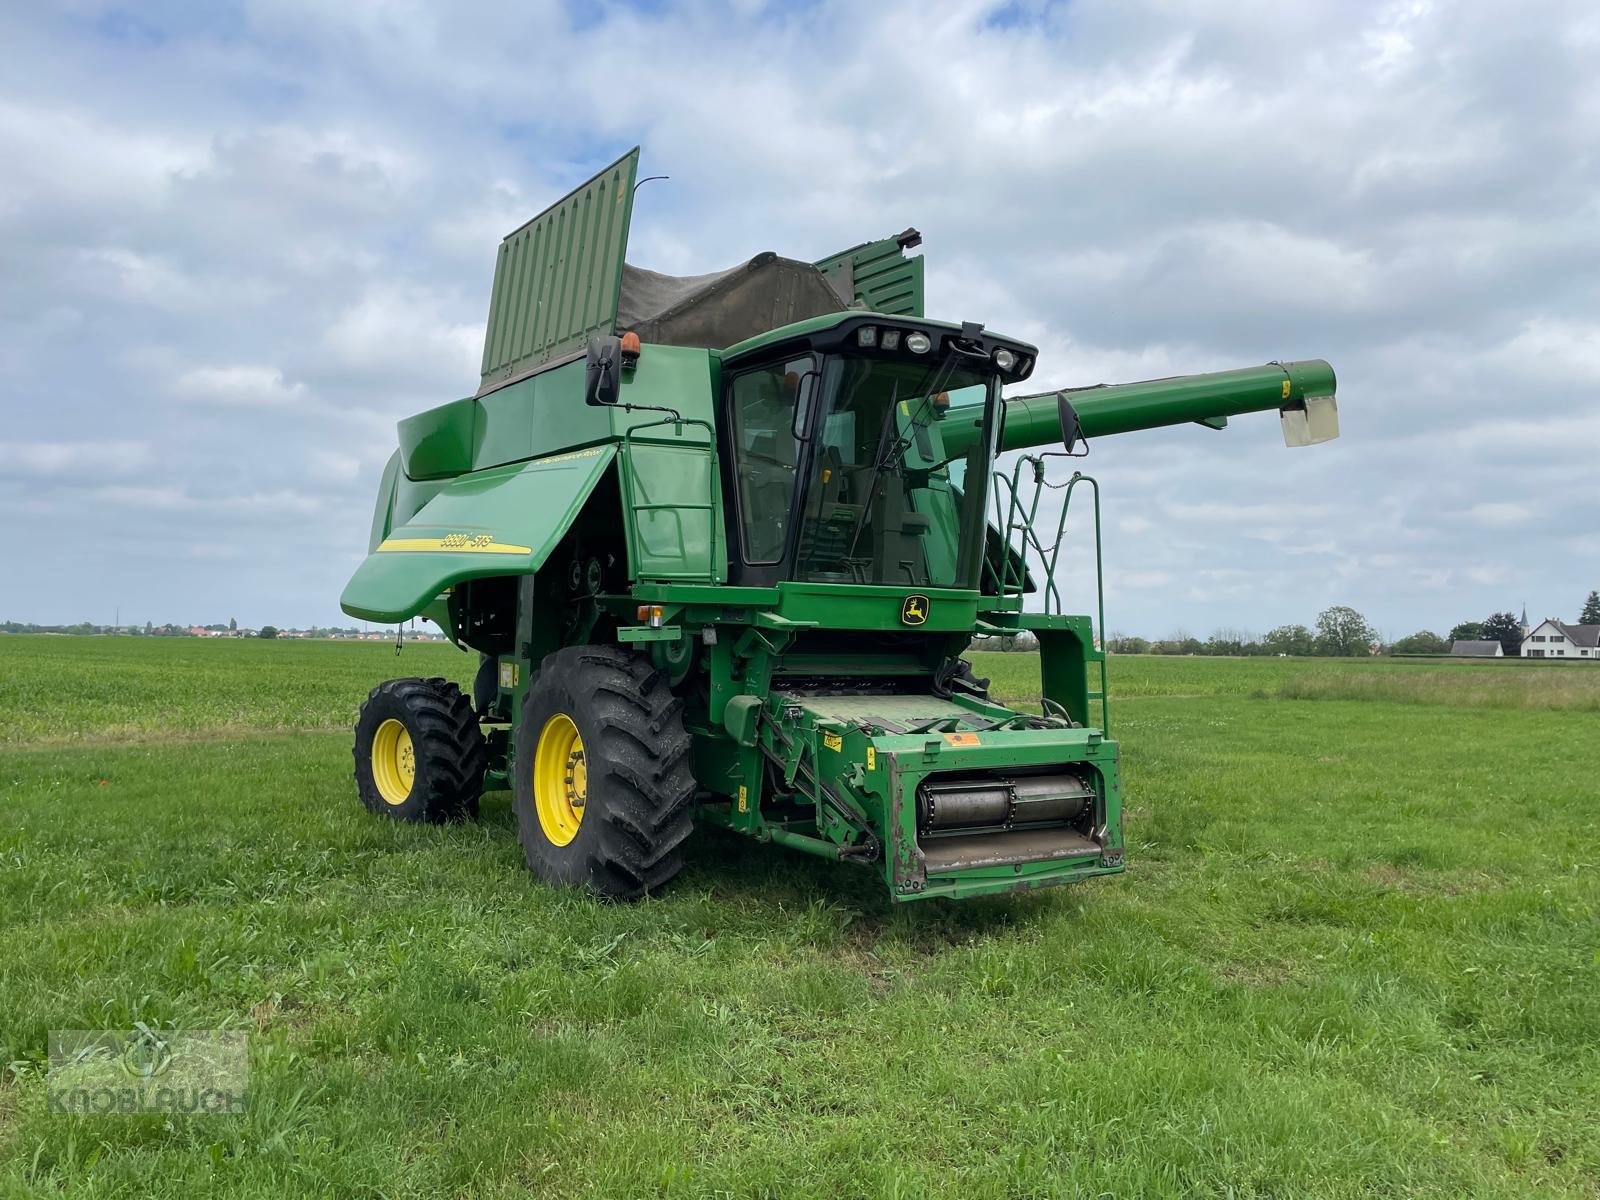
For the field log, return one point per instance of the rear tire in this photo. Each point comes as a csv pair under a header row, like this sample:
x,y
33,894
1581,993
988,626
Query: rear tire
x,y
419,754
601,785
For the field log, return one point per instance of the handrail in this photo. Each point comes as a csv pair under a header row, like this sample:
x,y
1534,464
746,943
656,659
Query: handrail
x,y
1021,525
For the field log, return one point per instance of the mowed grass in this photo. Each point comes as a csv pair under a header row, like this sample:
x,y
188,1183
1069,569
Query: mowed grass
x,y
1356,953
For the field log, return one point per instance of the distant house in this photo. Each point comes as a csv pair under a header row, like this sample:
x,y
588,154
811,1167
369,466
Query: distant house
x,y
1477,650
1557,639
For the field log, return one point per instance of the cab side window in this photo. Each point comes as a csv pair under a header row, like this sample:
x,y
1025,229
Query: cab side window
x,y
767,454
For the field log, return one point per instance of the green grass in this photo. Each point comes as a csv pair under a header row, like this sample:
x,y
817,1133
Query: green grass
x,y
1355,954
92,688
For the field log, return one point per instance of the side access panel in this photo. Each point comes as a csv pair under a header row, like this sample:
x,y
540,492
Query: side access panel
x,y
503,521
557,279
879,276
674,506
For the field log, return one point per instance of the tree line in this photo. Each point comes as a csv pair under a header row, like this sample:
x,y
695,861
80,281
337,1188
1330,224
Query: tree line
x,y
1340,632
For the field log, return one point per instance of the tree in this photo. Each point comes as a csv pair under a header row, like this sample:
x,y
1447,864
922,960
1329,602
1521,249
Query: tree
x,y
232,625
1342,632
1467,631
1503,627
1232,642
268,631
1424,641
1293,640
1591,610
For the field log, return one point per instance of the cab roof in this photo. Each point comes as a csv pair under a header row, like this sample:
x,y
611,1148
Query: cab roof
x,y
836,327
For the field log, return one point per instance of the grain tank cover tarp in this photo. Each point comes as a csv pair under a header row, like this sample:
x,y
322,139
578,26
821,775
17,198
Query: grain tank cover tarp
x,y
503,521
556,278
717,310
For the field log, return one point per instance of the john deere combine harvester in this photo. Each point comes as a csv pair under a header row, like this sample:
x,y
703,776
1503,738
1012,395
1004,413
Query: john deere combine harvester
x,y
721,543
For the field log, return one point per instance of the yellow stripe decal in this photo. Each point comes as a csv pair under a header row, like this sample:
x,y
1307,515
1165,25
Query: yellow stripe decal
x,y
455,543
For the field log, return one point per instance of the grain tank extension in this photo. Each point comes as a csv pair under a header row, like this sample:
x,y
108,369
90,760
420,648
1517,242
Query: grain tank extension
x,y
721,542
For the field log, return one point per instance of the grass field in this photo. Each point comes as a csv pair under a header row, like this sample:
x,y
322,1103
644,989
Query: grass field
x,y
1357,952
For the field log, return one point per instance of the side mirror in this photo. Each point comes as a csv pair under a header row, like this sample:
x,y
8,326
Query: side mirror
x,y
1071,429
602,384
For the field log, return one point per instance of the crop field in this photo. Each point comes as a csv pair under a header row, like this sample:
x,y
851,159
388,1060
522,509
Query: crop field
x,y
1357,952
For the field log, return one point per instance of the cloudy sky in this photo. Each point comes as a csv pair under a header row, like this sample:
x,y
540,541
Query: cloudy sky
x,y
238,241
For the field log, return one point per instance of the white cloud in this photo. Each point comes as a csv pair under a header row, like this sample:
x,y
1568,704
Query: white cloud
x,y
332,467
141,278
165,498
1246,515
1500,514
1564,352
268,507
47,460
407,328
239,386
93,158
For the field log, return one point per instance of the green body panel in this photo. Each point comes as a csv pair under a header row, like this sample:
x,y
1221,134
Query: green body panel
x,y
545,413
504,521
383,511
870,606
880,275
557,279
437,444
540,415
682,378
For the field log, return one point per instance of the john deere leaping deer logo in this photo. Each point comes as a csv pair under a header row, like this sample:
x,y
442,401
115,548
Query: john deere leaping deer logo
x,y
914,611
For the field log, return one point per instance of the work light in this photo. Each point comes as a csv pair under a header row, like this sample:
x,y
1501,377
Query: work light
x,y
918,343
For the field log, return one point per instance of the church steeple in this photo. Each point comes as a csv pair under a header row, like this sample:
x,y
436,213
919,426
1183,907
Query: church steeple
x,y
1525,625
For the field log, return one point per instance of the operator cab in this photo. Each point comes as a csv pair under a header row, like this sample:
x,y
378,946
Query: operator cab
x,y
856,449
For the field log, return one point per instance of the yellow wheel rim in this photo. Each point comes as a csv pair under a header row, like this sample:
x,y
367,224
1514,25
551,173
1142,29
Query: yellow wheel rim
x,y
394,762
560,779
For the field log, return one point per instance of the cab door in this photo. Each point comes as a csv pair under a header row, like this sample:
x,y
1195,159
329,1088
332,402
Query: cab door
x,y
765,412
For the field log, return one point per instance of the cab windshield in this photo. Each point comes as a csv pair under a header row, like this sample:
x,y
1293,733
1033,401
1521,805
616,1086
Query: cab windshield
x,y
893,446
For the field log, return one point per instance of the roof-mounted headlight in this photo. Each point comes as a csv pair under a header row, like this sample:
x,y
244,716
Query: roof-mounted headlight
x,y
918,343
1004,359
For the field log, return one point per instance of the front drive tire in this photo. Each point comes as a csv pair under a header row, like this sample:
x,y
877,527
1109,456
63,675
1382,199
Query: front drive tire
x,y
602,786
419,753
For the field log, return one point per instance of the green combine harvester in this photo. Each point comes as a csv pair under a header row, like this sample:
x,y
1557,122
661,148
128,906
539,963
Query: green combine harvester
x,y
721,543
